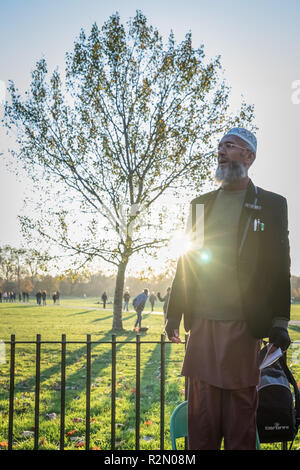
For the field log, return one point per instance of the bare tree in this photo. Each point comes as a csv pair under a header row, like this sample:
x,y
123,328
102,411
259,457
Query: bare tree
x,y
132,118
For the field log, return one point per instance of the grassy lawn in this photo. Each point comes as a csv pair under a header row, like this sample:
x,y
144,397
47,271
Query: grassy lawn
x,y
77,318
295,312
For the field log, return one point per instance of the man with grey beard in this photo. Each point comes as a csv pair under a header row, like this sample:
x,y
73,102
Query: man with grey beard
x,y
229,171
232,289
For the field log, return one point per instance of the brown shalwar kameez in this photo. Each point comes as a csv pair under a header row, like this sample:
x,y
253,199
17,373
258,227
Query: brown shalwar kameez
x,y
221,359
221,363
235,280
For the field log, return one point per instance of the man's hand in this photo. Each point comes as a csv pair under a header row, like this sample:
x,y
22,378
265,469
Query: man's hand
x,y
280,337
176,338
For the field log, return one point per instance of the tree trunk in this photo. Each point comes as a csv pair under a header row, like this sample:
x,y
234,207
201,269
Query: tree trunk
x,y
118,297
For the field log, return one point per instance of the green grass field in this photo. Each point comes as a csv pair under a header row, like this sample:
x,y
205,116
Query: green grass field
x,y
76,318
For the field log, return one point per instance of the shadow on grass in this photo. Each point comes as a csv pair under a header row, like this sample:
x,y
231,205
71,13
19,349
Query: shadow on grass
x,y
100,363
83,312
71,357
101,319
150,398
295,328
7,305
76,356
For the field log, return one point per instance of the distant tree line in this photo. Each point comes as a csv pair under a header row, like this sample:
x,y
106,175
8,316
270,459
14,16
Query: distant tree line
x,y
20,269
24,270
295,288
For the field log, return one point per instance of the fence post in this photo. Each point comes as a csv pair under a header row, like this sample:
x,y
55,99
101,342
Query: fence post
x,y
11,391
284,445
138,392
62,392
186,390
162,391
113,392
88,393
37,392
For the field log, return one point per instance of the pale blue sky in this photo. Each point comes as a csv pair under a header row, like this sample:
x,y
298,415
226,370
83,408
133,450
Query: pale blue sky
x,y
258,40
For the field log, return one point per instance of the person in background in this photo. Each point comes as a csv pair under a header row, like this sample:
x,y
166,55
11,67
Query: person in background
x,y
139,305
165,299
38,297
44,297
104,299
152,300
126,298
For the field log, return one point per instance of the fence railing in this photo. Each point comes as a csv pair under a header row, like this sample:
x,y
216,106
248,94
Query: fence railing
x,y
114,341
88,366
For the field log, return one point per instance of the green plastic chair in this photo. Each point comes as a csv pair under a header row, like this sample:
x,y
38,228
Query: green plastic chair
x,y
257,441
179,425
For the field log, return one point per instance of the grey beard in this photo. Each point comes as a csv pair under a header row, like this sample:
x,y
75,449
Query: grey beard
x,y
234,171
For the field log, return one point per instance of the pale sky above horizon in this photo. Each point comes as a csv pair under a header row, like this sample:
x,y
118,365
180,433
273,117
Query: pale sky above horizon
x,y
259,44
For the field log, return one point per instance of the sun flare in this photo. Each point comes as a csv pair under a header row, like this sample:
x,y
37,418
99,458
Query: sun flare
x,y
180,243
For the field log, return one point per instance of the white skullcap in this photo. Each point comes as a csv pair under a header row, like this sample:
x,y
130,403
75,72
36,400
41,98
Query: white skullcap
x,y
246,135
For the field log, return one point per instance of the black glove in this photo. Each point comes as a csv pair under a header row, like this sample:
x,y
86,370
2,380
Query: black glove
x,y
280,337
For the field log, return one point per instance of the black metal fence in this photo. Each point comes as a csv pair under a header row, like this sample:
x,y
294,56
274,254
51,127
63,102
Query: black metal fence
x,y
63,343
88,344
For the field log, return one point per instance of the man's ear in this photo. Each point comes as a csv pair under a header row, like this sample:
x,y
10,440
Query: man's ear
x,y
250,158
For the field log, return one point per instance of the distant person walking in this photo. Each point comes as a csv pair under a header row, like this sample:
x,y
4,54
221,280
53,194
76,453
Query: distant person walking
x,y
152,300
38,297
165,299
139,305
44,297
104,299
126,298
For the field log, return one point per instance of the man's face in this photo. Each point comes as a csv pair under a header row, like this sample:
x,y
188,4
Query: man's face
x,y
234,159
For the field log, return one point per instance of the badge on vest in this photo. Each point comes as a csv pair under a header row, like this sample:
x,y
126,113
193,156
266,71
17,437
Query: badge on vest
x,y
253,206
258,225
